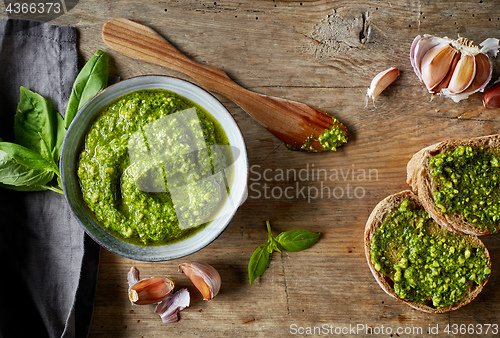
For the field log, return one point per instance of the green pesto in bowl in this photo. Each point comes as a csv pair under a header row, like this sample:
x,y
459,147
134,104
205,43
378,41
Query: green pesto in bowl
x,y
148,167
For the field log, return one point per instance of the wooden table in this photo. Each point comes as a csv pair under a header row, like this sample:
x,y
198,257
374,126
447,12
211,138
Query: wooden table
x,y
323,53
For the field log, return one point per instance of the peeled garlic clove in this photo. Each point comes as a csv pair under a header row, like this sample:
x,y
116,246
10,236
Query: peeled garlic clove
x,y
463,75
491,97
169,308
436,63
204,277
150,290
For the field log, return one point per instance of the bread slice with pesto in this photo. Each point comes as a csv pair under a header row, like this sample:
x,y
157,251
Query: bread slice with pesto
x,y
458,183
420,263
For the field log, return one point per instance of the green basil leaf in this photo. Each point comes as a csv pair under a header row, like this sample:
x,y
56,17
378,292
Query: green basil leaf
x,y
25,188
258,262
60,133
27,157
35,124
297,240
89,82
22,168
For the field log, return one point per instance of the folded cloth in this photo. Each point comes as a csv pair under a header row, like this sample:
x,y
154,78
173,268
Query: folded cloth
x,y
49,265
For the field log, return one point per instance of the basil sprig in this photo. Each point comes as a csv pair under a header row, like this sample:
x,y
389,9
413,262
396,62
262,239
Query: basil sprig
x,y
30,163
290,241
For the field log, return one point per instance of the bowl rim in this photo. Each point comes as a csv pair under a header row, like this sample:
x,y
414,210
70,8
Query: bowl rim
x,y
153,255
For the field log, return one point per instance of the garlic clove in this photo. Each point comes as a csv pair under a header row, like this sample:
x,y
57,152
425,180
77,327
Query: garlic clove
x,y
463,74
381,81
491,97
446,81
484,70
169,308
204,277
420,46
436,64
150,290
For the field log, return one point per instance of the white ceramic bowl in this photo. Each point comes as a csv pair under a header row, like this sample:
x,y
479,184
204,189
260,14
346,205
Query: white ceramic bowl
x,y
75,138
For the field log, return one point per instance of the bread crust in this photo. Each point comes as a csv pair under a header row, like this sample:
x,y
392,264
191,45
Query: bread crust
x,y
383,209
418,177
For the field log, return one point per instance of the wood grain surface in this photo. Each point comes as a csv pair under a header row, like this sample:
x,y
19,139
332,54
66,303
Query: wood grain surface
x,y
322,53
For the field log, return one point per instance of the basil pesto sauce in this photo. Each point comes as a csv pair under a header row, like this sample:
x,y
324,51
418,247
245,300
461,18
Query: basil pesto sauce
x,y
329,140
426,263
106,173
469,185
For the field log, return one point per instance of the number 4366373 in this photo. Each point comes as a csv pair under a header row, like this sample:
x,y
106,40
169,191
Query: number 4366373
x,y
33,8
477,329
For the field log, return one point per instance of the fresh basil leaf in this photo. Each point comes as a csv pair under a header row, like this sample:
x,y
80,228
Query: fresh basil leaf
x,y
23,169
297,240
258,262
35,124
89,82
60,133
27,157
25,188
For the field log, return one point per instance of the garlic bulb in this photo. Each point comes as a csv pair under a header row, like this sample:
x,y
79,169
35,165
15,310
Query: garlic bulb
x,y
453,68
204,277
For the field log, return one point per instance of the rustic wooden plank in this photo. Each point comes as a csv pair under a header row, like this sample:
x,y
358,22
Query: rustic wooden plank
x,y
322,53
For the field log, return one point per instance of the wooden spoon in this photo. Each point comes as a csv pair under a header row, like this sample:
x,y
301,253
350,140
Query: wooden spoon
x,y
297,124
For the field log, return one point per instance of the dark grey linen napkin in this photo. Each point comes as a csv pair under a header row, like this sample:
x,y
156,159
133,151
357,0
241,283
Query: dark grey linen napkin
x,y
49,265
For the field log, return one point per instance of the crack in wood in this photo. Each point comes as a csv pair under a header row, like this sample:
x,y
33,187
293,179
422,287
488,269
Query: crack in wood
x,y
286,285
365,30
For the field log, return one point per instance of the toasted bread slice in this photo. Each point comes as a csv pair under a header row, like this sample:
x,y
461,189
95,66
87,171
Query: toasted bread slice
x,y
423,184
385,209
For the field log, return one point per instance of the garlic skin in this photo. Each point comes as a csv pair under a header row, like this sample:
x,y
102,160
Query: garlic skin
x,y
490,45
132,276
380,82
169,308
452,68
204,277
